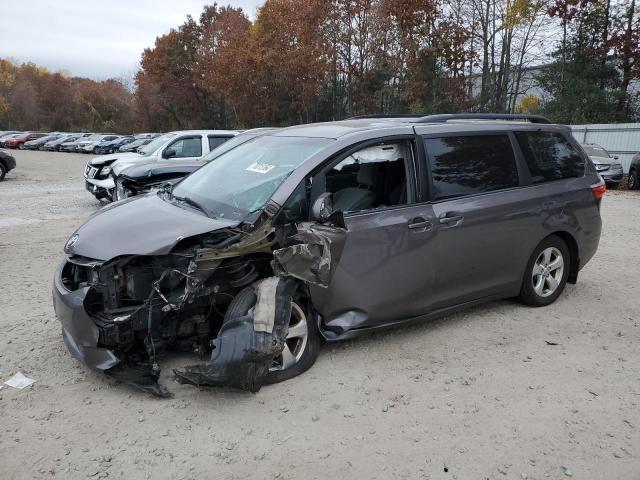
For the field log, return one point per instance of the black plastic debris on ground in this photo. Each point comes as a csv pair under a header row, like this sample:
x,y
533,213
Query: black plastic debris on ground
x,y
242,355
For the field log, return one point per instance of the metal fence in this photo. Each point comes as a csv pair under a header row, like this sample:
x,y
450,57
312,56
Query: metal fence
x,y
619,139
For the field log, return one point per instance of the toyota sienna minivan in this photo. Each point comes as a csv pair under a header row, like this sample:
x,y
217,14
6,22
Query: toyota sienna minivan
x,y
327,231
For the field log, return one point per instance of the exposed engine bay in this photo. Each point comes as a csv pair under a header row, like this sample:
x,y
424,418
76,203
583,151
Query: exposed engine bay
x,y
145,306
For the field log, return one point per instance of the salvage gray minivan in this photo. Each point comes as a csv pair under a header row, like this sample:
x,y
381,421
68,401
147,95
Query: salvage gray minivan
x,y
327,231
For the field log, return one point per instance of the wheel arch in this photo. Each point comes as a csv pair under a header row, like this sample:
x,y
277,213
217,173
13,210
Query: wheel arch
x,y
572,245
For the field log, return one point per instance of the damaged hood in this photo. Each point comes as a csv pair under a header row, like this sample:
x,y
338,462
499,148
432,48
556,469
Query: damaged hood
x,y
124,162
141,171
107,159
145,225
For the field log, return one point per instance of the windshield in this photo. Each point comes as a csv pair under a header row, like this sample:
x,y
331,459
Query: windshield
x,y
595,151
156,144
241,181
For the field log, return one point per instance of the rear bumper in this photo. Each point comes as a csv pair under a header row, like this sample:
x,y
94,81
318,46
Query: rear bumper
x,y
79,332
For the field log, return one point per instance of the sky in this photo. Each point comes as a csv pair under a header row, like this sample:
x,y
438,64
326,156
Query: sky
x,y
93,38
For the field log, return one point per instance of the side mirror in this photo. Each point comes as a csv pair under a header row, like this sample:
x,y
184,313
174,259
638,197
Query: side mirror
x,y
322,208
168,153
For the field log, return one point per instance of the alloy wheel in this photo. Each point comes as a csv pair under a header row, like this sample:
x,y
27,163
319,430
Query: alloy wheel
x,y
296,341
547,272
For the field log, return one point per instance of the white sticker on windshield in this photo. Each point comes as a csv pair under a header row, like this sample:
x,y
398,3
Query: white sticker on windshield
x,y
260,167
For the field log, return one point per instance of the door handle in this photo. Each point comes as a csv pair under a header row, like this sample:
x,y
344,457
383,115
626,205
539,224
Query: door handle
x,y
450,218
420,224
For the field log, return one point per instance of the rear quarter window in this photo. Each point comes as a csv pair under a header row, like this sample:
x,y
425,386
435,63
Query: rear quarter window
x,y
468,165
215,142
550,156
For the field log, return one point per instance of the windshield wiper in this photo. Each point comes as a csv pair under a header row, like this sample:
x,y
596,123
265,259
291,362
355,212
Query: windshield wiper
x,y
193,203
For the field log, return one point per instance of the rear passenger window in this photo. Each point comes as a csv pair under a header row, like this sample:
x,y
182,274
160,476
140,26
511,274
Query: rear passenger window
x,y
550,156
468,165
215,142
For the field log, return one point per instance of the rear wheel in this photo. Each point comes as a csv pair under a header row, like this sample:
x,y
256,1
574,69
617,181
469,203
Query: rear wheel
x,y
95,150
21,146
546,274
302,344
633,181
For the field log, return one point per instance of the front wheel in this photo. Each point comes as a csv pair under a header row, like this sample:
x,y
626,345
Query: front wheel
x,y
3,171
21,146
546,274
302,344
633,182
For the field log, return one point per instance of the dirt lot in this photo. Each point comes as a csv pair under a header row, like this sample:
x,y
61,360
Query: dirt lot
x,y
472,396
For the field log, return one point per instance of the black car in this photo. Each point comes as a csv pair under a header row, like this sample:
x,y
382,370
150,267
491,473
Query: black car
x,y
139,179
7,163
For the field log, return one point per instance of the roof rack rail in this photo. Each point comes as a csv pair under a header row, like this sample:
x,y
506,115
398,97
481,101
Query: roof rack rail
x,y
387,115
442,118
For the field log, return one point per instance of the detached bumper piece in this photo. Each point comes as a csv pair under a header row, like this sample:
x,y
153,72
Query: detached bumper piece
x,y
245,346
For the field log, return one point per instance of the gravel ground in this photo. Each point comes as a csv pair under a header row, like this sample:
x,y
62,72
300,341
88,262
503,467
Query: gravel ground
x,y
477,395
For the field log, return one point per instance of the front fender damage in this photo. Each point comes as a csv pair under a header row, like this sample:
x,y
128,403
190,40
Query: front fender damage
x,y
182,300
313,255
246,345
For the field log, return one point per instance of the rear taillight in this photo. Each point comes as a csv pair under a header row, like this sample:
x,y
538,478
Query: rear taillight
x,y
598,189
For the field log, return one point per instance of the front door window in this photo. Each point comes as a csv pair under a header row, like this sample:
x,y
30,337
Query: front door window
x,y
373,177
187,147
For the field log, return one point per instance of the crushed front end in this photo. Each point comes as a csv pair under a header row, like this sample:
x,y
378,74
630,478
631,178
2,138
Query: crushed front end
x,y
124,315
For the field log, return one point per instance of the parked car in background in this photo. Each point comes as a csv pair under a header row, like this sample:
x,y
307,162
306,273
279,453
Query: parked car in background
x,y
183,144
71,145
7,163
90,144
20,140
144,177
111,146
609,168
327,231
38,143
54,145
7,136
137,143
139,136
634,173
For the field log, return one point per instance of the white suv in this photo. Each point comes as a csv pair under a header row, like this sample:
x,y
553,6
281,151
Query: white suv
x,y
179,145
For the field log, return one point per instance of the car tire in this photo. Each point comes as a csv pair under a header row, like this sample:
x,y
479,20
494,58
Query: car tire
x,y
21,146
301,314
633,182
3,171
544,279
